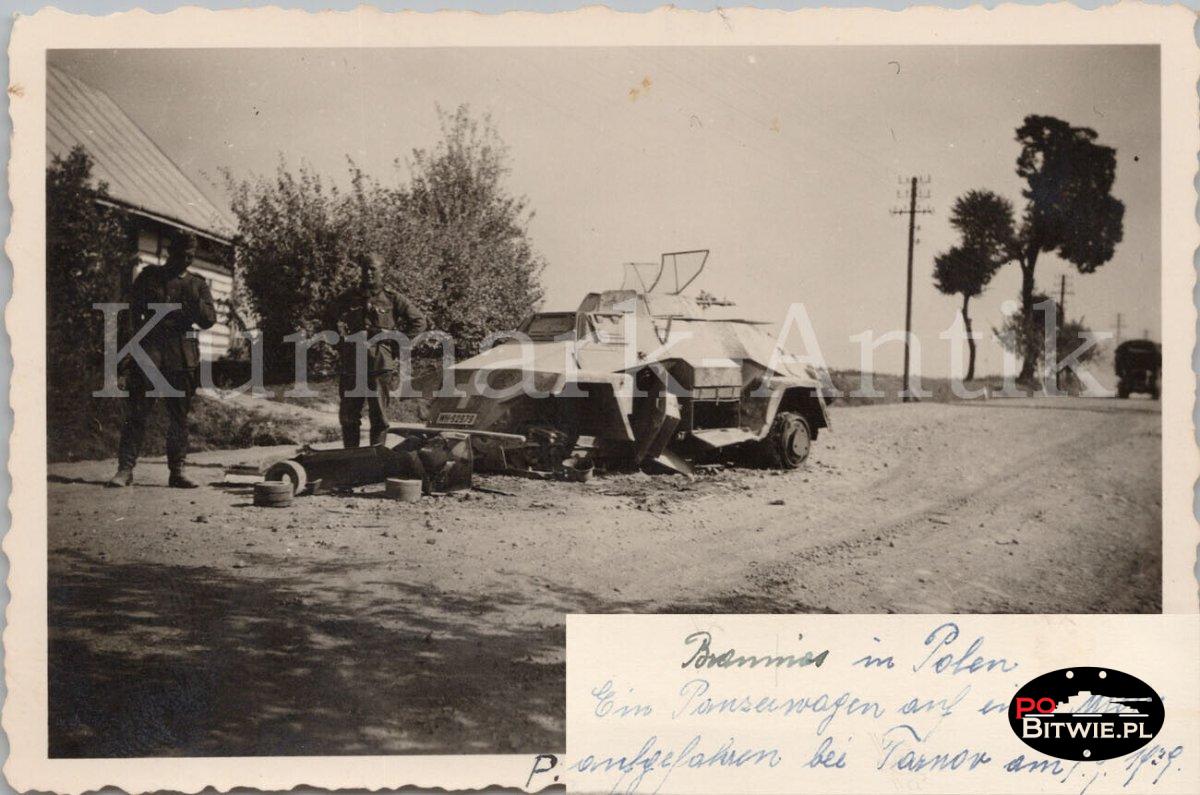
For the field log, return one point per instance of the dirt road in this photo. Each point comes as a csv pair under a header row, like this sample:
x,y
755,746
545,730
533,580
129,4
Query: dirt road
x,y
195,624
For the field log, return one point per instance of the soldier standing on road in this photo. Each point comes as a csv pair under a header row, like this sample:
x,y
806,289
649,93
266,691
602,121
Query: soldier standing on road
x,y
173,352
369,308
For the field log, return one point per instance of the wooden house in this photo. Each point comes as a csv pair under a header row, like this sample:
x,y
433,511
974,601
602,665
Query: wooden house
x,y
145,184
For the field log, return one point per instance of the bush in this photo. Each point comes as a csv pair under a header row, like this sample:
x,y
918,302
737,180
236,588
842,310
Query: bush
x,y
212,425
291,250
456,243
90,256
1028,336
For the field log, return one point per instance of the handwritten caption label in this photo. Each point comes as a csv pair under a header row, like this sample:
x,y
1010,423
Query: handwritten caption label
x,y
855,703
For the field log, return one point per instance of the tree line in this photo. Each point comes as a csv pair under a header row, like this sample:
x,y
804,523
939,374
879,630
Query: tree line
x,y
1069,210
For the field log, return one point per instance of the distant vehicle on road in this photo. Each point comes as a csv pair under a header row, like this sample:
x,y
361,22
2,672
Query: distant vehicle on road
x,y
1138,364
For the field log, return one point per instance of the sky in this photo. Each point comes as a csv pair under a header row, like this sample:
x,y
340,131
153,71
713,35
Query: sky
x,y
785,162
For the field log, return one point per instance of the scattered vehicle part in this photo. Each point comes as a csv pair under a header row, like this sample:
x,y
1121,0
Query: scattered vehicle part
x,y
289,471
404,490
578,468
441,460
272,494
492,490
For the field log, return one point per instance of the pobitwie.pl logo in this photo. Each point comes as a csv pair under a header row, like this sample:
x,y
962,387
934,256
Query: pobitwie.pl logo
x,y
1086,713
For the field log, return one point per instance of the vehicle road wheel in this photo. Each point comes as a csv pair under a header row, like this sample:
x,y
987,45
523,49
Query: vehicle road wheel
x,y
272,494
288,470
788,444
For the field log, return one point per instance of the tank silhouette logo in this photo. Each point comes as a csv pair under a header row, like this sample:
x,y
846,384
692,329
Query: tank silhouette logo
x,y
1086,714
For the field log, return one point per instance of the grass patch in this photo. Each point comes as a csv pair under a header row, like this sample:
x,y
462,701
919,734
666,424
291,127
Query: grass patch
x,y
890,386
212,425
326,399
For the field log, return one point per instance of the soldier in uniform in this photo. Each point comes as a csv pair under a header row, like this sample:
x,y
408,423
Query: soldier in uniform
x,y
176,355
369,308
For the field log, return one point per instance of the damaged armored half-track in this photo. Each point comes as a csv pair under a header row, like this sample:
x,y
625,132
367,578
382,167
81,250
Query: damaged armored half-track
x,y
635,378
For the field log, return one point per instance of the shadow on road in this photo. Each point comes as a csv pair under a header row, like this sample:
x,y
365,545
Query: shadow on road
x,y
173,660
151,660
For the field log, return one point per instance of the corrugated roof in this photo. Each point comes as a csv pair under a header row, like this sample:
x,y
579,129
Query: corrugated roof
x,y
139,174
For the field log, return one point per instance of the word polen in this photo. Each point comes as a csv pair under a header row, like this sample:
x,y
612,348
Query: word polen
x,y
1086,714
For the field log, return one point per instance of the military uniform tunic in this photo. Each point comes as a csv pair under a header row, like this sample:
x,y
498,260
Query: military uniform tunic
x,y
371,311
176,355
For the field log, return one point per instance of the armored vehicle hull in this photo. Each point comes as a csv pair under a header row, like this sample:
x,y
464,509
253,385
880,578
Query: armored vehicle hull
x,y
635,379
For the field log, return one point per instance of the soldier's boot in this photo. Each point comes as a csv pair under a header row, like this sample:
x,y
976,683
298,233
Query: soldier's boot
x,y
351,435
178,480
123,478
177,443
378,435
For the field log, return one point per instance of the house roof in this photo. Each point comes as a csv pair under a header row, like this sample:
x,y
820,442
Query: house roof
x,y
140,176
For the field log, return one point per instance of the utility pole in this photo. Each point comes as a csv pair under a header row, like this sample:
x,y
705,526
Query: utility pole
x,y
912,212
1062,300
1062,319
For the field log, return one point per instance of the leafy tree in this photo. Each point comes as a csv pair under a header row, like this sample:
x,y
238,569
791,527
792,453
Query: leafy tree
x,y
455,241
293,246
1070,209
474,238
1028,337
985,223
1072,336
964,271
89,258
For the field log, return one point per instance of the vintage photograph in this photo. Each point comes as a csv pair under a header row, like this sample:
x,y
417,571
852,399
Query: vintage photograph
x,y
366,366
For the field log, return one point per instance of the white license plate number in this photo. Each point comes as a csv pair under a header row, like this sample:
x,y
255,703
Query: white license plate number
x,y
458,419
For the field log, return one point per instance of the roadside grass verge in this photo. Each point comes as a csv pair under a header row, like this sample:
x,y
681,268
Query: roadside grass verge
x,y
890,386
213,425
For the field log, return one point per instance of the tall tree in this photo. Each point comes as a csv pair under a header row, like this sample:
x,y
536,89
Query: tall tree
x,y
455,239
1070,209
473,232
90,255
985,223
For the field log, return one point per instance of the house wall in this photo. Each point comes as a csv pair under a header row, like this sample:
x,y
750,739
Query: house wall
x,y
153,240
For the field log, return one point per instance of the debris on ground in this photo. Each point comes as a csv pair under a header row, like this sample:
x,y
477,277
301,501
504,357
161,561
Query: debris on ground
x,y
491,490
